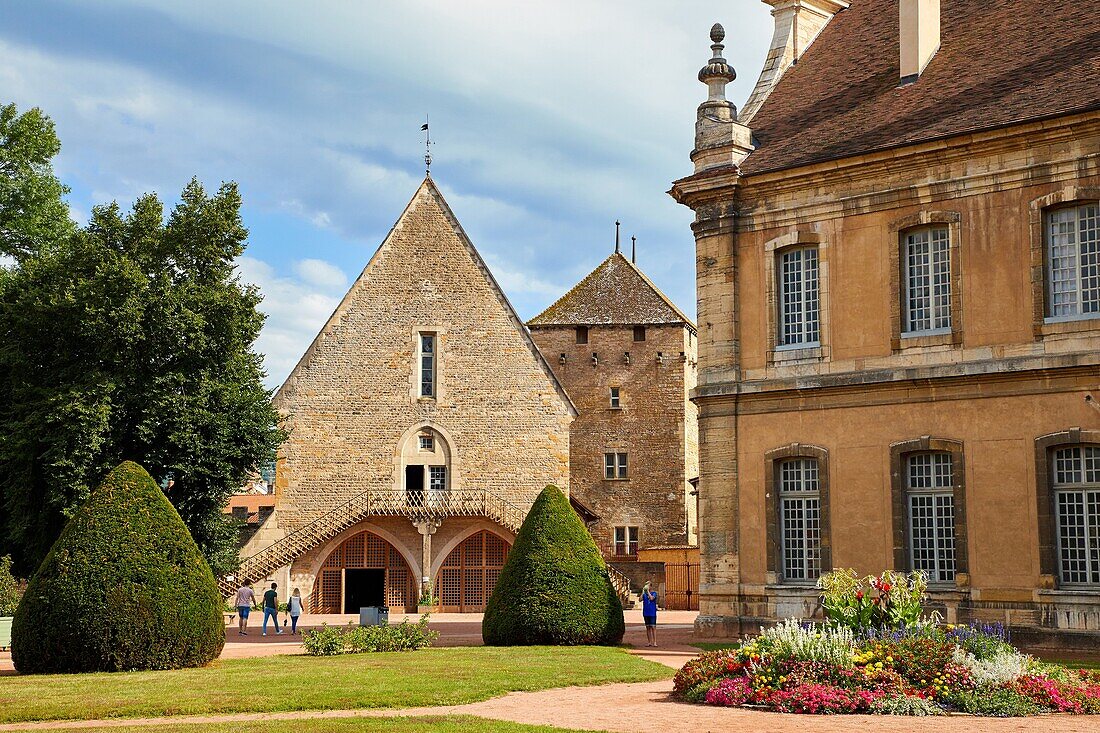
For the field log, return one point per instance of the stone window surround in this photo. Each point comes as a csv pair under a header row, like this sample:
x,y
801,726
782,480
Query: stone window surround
x,y
772,458
898,228
618,465
900,508
440,334
615,398
1044,497
772,249
1037,210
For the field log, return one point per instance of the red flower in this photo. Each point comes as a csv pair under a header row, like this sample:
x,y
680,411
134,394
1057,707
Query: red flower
x,y
885,587
859,595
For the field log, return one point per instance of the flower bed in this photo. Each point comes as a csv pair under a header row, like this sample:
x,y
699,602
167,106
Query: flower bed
x,y
876,654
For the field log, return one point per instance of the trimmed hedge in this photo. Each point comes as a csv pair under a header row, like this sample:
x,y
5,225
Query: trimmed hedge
x,y
123,588
554,587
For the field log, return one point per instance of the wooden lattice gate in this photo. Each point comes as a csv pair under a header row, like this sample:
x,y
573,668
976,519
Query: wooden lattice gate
x,y
467,577
364,550
682,586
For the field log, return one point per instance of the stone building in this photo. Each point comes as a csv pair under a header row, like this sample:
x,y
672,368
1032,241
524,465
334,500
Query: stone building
x,y
626,356
898,253
423,421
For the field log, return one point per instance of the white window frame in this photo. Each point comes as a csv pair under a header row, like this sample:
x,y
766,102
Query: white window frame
x,y
1072,247
615,466
926,281
798,297
426,442
427,363
931,486
615,398
625,537
1079,483
798,482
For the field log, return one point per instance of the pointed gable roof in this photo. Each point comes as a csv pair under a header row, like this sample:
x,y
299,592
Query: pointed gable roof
x,y
615,293
428,194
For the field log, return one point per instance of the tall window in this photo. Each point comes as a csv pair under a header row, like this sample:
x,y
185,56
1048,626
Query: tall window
x,y
614,465
800,518
1077,504
427,365
799,298
626,541
615,403
639,333
582,334
926,260
1073,261
930,497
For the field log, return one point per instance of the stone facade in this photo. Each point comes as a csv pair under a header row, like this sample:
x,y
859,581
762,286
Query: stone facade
x,y
496,420
643,347
998,391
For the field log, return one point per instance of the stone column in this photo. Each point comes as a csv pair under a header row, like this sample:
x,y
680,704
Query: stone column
x,y
426,530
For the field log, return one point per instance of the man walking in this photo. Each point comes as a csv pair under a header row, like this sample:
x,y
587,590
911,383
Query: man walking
x,y
271,608
246,599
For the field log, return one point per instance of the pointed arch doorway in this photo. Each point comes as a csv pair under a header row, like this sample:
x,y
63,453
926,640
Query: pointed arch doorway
x,y
468,575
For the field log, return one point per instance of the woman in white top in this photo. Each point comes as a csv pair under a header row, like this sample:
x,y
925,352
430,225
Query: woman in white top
x,y
294,608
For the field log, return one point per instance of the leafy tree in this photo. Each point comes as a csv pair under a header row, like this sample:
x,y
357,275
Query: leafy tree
x,y
32,212
132,339
124,587
553,588
10,591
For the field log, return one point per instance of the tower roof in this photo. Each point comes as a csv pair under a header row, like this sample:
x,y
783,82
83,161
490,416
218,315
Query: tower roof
x,y
616,293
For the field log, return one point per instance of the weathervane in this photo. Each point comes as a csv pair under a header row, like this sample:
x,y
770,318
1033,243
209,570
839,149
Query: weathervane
x,y
427,146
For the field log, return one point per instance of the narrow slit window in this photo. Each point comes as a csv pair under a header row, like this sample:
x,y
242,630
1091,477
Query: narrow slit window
x,y
427,365
639,333
615,402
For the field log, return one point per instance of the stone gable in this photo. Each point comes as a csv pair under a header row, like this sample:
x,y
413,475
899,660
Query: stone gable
x,y
352,402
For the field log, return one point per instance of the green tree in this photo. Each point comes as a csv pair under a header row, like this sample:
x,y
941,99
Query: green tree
x,y
553,588
124,587
132,339
33,213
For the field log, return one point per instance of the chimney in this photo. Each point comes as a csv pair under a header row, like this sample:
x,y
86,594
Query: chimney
x,y
919,36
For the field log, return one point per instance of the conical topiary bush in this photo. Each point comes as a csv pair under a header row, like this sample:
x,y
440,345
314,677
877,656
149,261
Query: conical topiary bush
x,y
124,587
553,588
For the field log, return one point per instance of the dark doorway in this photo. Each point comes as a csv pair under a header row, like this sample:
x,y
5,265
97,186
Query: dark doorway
x,y
414,485
363,587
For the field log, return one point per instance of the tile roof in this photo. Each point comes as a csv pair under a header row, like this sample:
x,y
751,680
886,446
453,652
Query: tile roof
x,y
1000,62
615,293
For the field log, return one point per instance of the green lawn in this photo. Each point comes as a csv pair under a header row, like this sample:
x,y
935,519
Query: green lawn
x,y
440,676
440,724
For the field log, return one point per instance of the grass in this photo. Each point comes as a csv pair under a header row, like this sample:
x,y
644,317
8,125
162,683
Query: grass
x,y
438,676
431,724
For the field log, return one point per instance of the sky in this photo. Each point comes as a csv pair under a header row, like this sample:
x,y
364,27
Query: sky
x,y
550,121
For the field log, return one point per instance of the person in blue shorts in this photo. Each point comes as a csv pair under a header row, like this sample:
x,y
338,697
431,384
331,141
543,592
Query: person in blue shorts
x,y
649,613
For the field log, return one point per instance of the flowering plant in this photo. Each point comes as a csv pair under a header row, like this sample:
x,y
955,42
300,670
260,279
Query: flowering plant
x,y
892,600
818,699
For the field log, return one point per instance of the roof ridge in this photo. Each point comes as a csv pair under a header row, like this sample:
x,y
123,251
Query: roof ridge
x,y
584,304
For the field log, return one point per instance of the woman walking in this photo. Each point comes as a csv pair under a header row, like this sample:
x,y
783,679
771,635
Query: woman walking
x,y
294,608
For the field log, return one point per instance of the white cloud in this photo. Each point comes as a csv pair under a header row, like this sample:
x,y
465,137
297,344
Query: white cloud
x,y
321,274
296,309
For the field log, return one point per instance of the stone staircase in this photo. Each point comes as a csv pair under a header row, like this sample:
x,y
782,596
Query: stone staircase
x,y
416,506
622,587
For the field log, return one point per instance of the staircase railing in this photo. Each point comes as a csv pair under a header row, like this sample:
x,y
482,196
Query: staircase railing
x,y
621,583
415,505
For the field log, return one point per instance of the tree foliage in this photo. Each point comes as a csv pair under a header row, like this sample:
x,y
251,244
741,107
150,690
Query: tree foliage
x,y
32,212
123,588
553,588
131,339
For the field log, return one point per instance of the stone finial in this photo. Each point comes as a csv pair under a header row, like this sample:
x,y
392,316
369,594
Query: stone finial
x,y
717,73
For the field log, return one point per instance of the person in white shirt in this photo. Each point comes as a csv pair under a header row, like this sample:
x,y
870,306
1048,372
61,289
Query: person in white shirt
x,y
246,599
294,608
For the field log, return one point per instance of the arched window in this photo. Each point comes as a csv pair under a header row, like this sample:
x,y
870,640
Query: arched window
x,y
797,502
929,508
1076,489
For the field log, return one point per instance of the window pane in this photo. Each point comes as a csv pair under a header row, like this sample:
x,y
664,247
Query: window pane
x,y
945,536
794,539
800,518
622,465
1068,466
1071,536
799,305
927,262
609,465
427,365
1073,260
437,478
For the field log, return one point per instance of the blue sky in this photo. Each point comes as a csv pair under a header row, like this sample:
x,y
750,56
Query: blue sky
x,y
551,120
